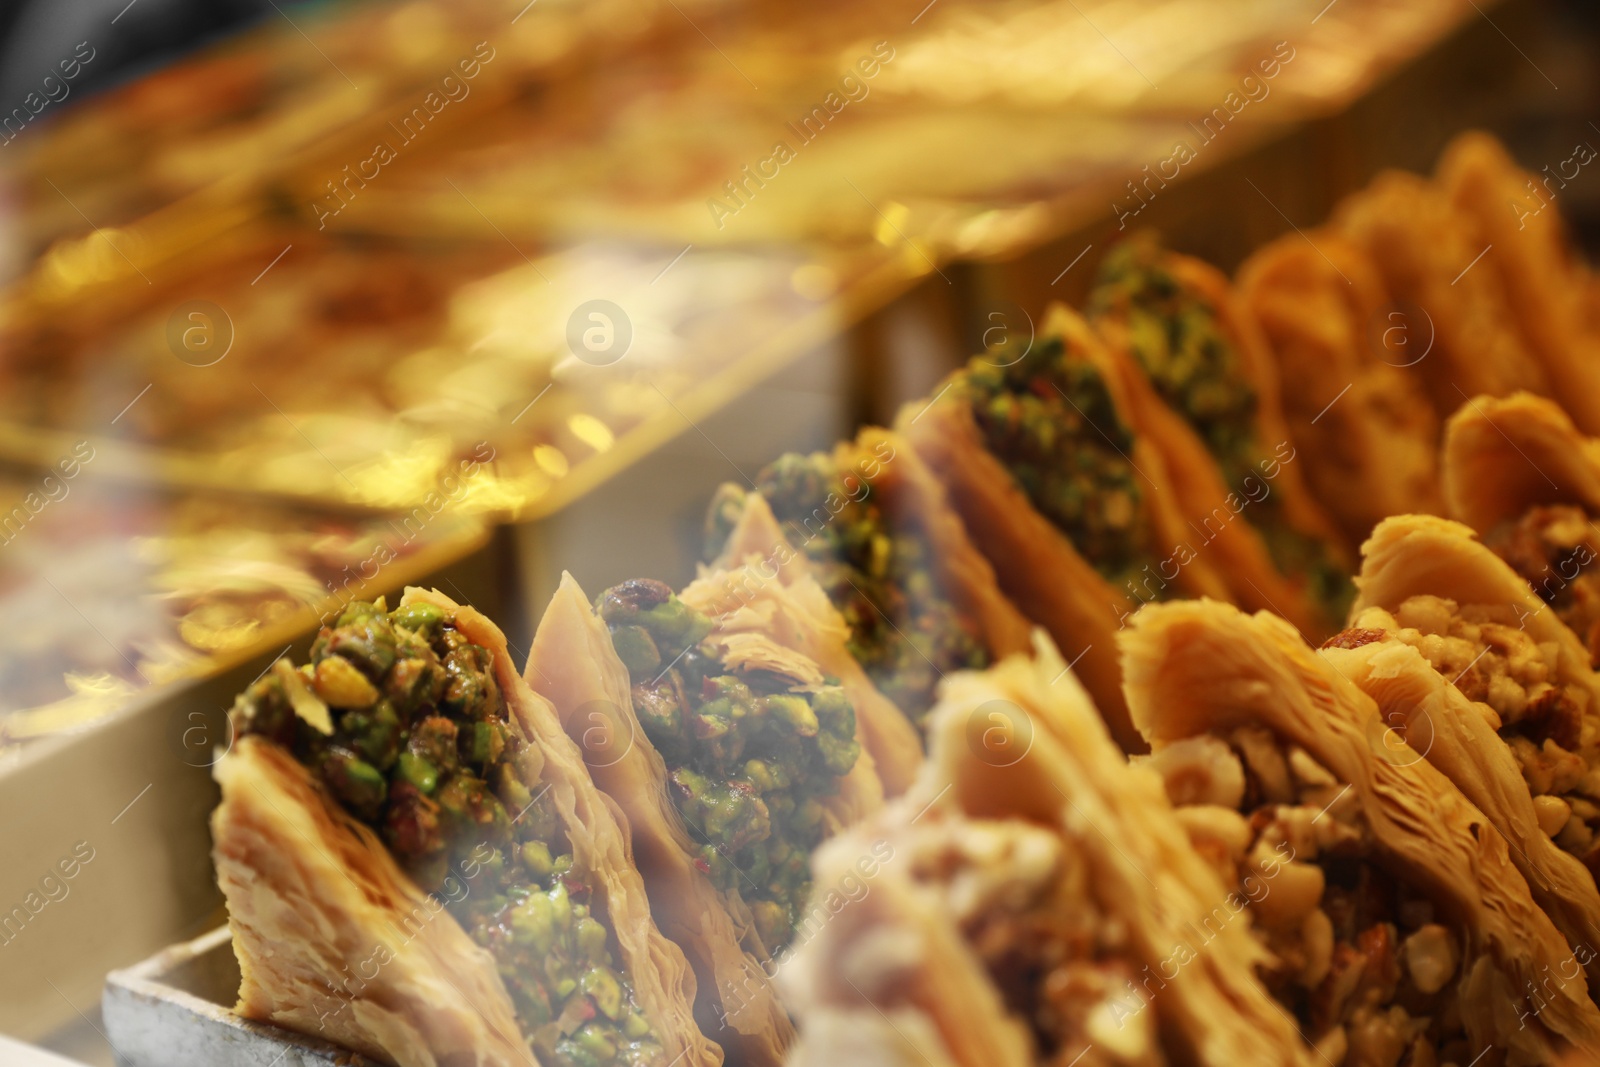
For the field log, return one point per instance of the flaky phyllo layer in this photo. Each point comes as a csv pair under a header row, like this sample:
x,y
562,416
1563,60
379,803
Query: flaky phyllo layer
x,y
399,716
876,565
1041,904
1023,899
1050,418
1182,345
1550,725
753,747
1364,963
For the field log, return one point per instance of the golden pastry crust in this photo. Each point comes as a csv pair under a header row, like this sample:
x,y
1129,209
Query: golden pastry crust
x,y
314,898
985,830
1197,667
1503,456
314,895
753,601
1542,279
912,499
1220,518
1078,607
1420,555
1424,248
757,553
1303,511
1447,729
598,831
1363,425
761,621
1417,557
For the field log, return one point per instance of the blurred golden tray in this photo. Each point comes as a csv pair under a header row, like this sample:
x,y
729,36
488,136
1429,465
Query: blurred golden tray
x,y
965,133
287,326
125,589
372,374
224,123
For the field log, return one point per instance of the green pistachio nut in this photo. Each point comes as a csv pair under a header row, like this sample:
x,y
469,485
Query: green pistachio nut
x,y
597,1040
341,685
419,772
536,858
591,939
794,709
533,922
637,650
420,617
357,783
602,986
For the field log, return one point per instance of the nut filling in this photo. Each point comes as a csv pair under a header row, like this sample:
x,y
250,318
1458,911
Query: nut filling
x,y
1362,962
1551,728
399,715
904,630
1182,347
750,753
1050,419
1553,549
1027,907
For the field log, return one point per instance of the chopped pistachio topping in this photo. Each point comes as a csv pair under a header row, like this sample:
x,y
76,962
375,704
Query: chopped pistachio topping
x,y
423,749
1183,348
1050,419
904,630
749,757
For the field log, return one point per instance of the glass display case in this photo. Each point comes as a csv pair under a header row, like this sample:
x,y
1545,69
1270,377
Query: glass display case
x,y
838,415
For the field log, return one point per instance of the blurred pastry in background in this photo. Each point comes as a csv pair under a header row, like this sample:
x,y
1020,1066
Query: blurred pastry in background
x,y
1042,458
418,867
1361,422
1527,481
1205,391
732,756
1543,280
778,597
874,526
1033,900
1428,252
1398,924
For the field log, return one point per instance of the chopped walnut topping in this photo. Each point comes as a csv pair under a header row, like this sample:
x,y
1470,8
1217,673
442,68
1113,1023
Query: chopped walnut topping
x,y
1547,768
1221,836
1026,903
1553,813
1354,638
1269,771
1553,549
1431,957
1380,1038
1200,770
1356,955
1551,728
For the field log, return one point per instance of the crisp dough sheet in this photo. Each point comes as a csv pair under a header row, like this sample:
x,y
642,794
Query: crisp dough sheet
x,y
1543,281
573,664
314,897
896,953
1361,421
1412,555
1222,533
1078,608
912,498
1199,667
